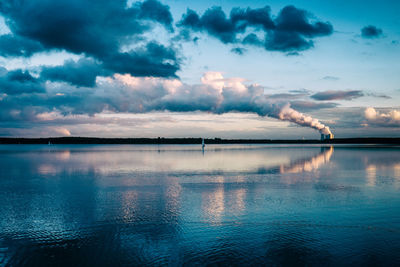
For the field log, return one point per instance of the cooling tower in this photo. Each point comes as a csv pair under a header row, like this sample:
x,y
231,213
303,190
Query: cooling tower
x,y
327,136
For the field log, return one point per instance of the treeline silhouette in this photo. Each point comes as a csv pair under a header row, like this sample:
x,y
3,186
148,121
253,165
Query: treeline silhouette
x,y
162,140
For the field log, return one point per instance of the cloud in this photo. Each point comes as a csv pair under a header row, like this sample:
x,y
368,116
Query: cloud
x,y
17,46
128,94
81,73
371,32
291,54
306,106
239,50
100,29
154,10
113,36
214,21
145,61
152,59
337,95
331,78
62,131
91,27
284,96
300,91
298,100
379,95
292,30
389,119
19,82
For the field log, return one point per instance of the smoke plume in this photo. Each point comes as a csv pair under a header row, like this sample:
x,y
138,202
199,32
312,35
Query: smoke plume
x,y
289,114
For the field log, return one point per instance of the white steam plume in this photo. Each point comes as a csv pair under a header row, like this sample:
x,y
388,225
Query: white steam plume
x,y
289,114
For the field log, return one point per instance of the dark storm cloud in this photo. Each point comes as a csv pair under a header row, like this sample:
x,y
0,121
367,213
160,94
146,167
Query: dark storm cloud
x,y
253,17
152,9
252,39
81,73
95,28
19,82
371,31
214,21
292,19
151,60
287,41
337,95
291,30
63,98
17,46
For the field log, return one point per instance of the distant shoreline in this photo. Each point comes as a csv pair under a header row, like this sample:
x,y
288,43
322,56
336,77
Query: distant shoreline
x,y
95,140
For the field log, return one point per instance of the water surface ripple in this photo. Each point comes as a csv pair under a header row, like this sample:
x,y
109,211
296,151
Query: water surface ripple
x,y
234,205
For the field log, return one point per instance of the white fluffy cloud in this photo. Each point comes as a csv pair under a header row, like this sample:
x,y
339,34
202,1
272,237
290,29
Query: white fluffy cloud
x,y
390,118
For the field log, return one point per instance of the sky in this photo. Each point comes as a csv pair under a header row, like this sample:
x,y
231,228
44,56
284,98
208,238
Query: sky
x,y
227,69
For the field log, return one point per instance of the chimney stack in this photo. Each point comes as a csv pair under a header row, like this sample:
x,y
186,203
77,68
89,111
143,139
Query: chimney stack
x,y
326,136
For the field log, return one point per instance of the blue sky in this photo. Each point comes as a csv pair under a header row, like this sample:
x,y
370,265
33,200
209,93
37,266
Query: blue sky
x,y
190,68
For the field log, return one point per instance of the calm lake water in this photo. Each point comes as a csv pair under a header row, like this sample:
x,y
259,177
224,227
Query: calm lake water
x,y
110,205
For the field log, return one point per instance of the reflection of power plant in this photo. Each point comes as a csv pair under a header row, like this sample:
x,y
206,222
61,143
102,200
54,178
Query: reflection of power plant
x,y
309,164
326,136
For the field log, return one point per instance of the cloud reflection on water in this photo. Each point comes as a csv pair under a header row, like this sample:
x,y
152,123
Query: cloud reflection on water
x,y
114,203
245,160
311,164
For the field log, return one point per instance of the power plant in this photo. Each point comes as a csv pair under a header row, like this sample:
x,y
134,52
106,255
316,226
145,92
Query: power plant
x,y
326,136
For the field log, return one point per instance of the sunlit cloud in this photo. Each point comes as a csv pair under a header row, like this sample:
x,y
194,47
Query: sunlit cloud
x,y
390,118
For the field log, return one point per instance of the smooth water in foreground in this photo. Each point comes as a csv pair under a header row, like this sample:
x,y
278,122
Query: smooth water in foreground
x,y
108,205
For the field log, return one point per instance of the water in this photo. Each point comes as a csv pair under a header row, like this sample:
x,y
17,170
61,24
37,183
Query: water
x,y
108,205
